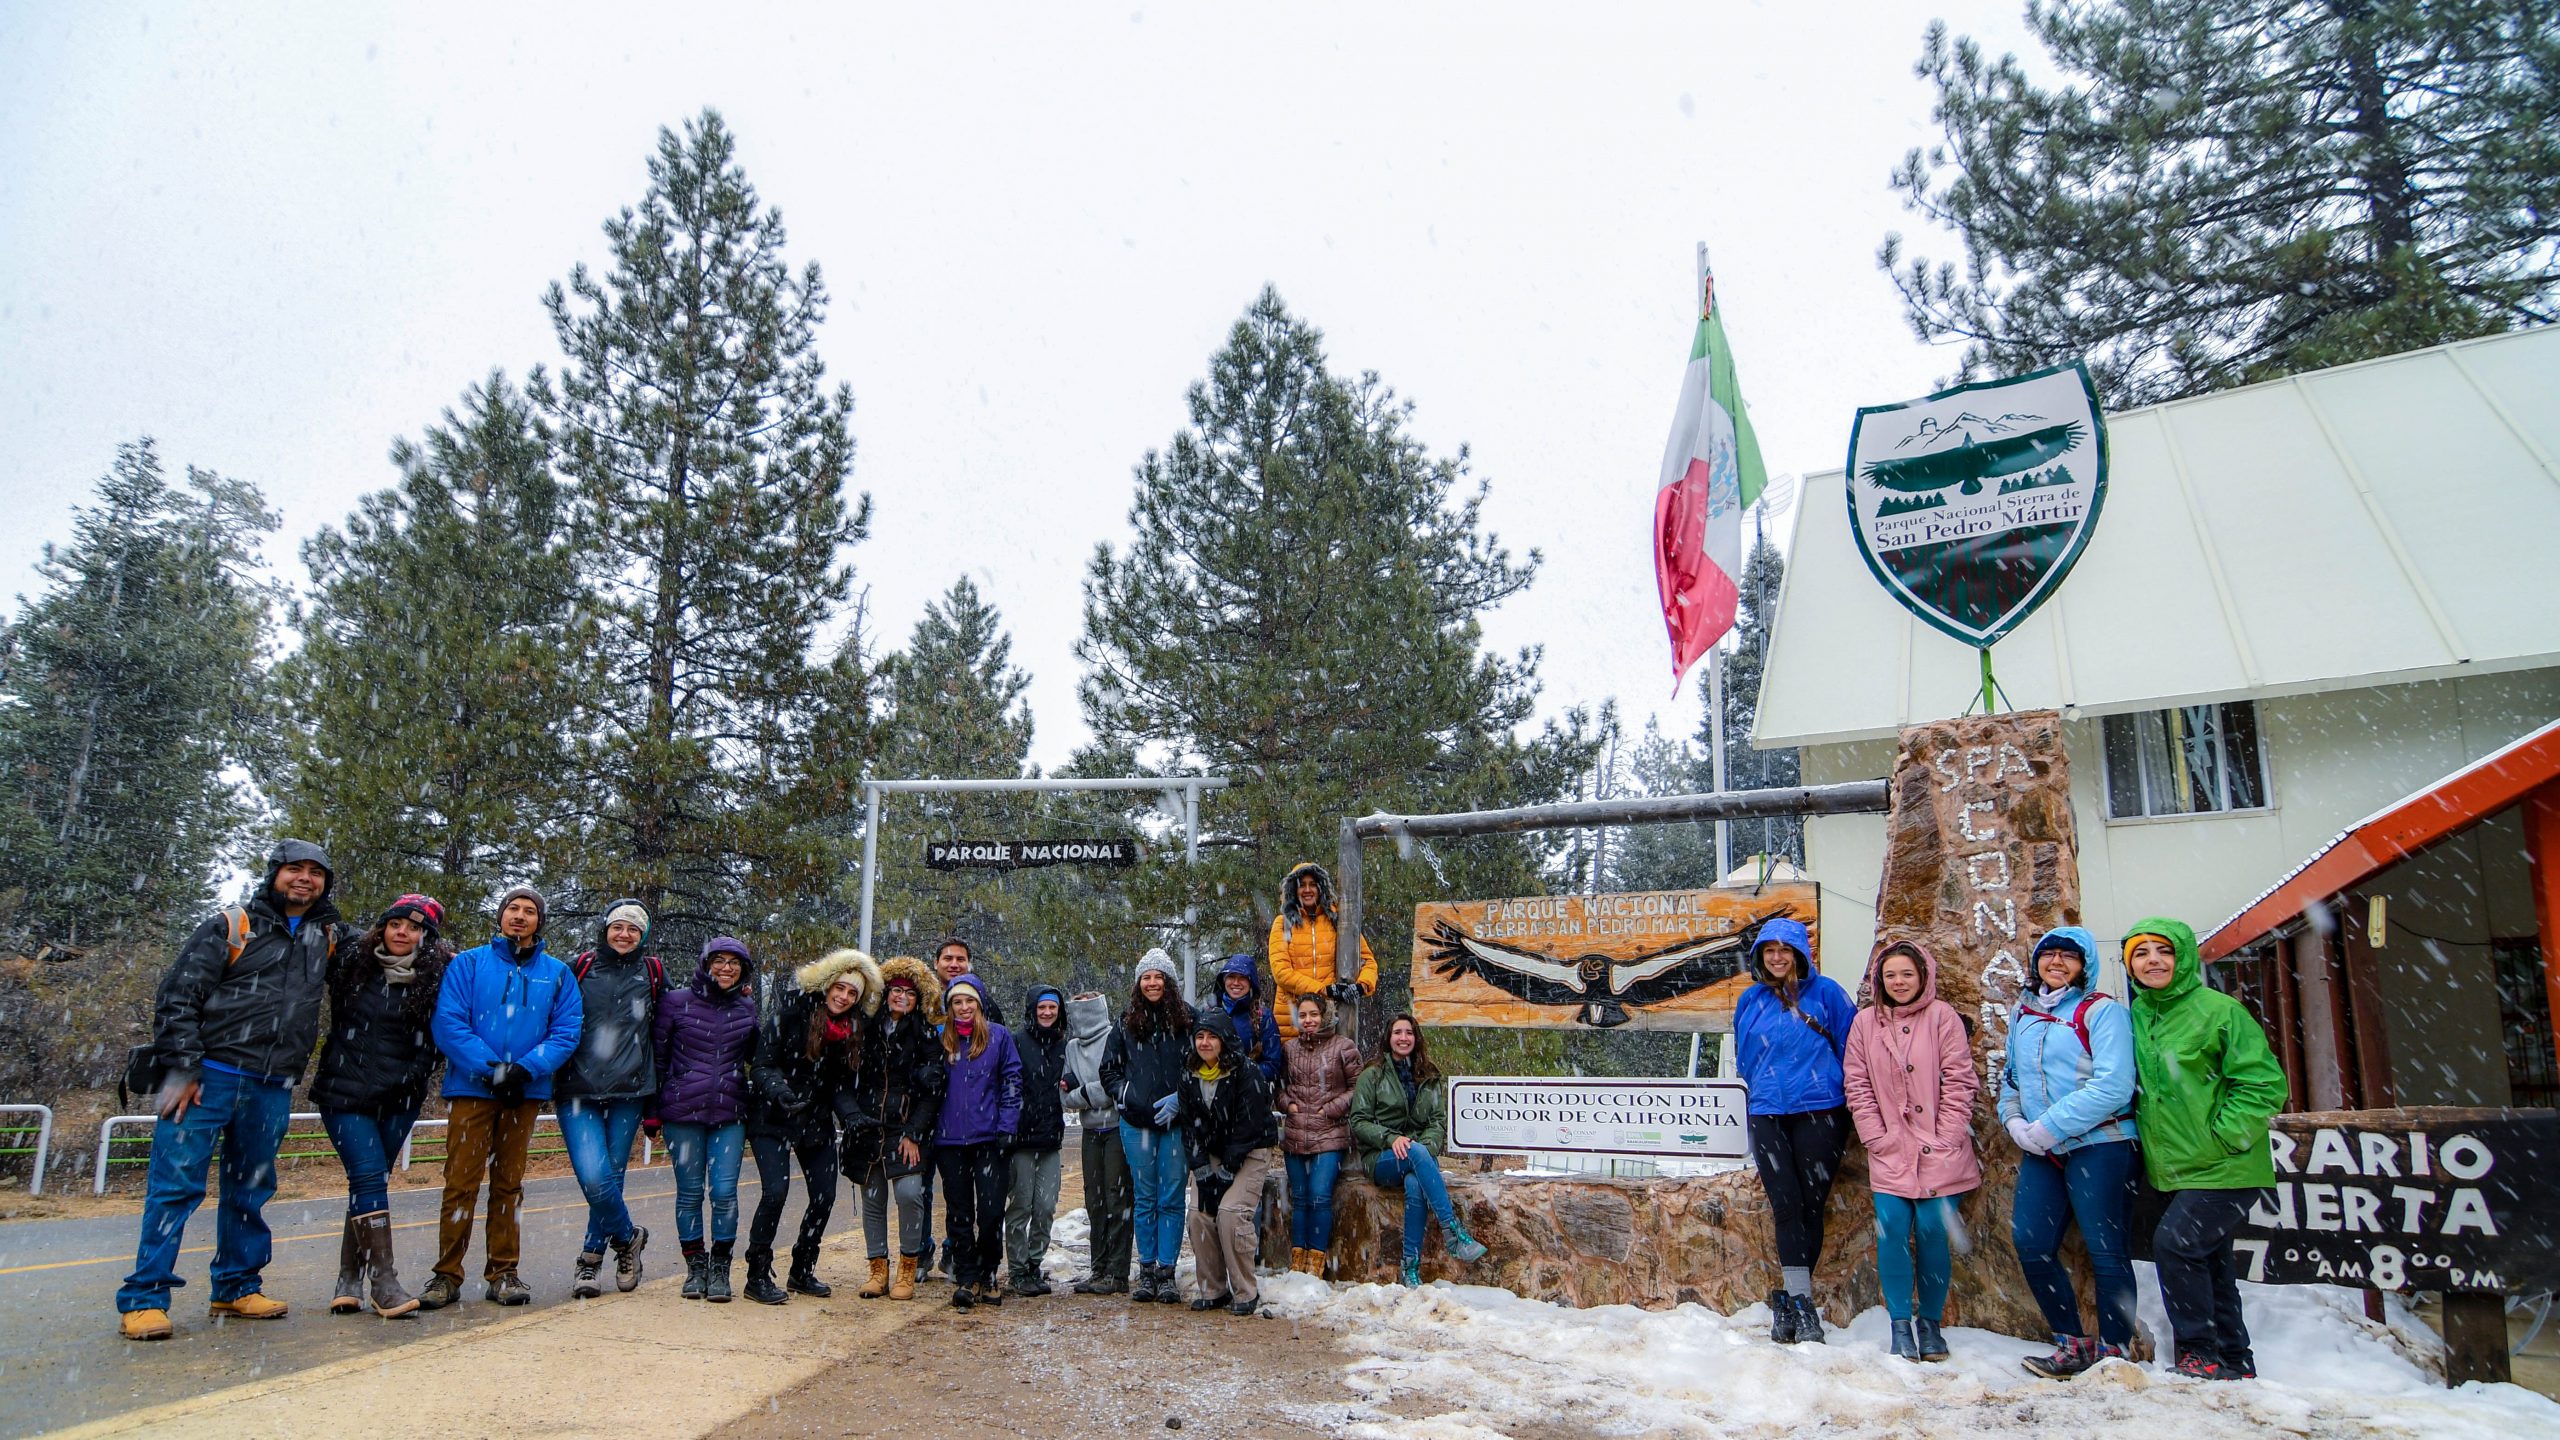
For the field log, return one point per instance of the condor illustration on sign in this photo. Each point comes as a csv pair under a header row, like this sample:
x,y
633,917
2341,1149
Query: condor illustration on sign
x,y
1971,505
2423,1198
1026,854
1655,960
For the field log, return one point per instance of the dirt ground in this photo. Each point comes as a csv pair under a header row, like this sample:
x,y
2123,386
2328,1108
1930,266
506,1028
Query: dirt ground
x,y
1134,1370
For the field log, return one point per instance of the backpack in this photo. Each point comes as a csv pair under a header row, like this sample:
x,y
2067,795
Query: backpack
x,y
143,1071
586,961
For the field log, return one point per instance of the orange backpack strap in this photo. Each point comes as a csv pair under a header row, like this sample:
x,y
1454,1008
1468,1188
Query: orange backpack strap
x,y
235,920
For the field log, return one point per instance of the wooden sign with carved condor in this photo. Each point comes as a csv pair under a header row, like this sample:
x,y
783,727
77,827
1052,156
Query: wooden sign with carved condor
x,y
1653,960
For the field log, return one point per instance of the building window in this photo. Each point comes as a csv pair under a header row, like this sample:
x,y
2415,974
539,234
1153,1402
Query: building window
x,y
2524,1021
2194,760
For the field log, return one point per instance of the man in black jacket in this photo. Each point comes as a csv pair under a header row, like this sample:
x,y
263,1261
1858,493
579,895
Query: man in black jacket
x,y
234,1022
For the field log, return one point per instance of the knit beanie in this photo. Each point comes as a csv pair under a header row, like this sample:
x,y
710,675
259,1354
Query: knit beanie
x,y
541,907
970,983
418,910
629,911
1159,962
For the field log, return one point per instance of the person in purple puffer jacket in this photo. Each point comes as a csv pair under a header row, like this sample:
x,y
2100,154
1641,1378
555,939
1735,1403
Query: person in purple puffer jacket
x,y
981,1110
706,1035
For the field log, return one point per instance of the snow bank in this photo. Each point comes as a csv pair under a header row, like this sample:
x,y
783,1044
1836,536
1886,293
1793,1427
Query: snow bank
x,y
1466,1362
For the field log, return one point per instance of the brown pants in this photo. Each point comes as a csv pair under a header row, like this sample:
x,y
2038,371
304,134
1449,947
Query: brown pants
x,y
1223,1245
483,1137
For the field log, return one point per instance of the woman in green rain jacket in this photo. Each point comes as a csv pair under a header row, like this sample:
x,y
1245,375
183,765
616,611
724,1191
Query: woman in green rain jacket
x,y
2208,1084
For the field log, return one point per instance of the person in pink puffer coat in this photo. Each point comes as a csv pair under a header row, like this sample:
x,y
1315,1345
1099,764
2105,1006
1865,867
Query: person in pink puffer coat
x,y
1911,1084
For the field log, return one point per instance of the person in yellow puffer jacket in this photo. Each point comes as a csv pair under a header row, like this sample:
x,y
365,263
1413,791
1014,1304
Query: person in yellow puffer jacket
x,y
1302,941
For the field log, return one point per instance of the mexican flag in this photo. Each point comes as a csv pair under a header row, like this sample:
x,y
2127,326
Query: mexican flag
x,y
1711,473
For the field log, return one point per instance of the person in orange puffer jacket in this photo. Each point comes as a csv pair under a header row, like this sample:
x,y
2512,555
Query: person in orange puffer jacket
x,y
1302,943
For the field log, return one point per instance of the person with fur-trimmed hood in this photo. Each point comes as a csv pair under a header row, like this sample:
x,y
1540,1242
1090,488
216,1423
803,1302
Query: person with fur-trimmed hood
x,y
1302,946
889,1143
1031,1193
808,1053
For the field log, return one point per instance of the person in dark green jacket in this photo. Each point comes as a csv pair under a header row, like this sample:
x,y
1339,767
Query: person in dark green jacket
x,y
1400,1123
2209,1083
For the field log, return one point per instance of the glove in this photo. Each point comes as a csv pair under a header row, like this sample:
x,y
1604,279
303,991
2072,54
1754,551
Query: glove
x,y
1345,991
2025,1133
2042,1139
1166,1109
507,1082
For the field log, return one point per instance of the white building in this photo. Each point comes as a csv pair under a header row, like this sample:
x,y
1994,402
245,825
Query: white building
x,y
2304,600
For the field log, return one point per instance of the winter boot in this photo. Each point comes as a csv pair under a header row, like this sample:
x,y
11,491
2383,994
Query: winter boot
x,y
2241,1366
878,1284
382,1276
590,1281
715,1276
1933,1342
1782,1318
1243,1308
2072,1354
626,1259
2197,1365
963,1296
804,1274
146,1325
760,1286
1144,1291
904,1287
697,1272
1903,1345
1168,1284
1208,1301
1297,1259
1409,1275
990,1293
1319,1263
252,1306
350,1296
508,1288
1463,1247
1808,1320
442,1290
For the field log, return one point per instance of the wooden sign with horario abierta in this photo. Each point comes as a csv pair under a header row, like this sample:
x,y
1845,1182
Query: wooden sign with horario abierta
x,y
1654,960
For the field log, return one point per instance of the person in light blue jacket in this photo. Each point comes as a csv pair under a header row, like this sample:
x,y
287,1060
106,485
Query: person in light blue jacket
x,y
507,1018
2066,1096
1790,1030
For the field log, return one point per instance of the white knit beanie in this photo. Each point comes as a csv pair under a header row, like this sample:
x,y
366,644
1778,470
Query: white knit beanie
x,y
631,912
1159,962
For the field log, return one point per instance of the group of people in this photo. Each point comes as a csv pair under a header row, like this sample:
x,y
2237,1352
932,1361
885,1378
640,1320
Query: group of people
x,y
896,1077
2102,1098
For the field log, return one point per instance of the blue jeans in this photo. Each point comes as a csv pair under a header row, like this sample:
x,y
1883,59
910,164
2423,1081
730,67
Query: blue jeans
x,y
1311,1180
2092,1185
1419,1174
706,1155
367,1142
247,1118
599,1134
1899,1223
1158,1164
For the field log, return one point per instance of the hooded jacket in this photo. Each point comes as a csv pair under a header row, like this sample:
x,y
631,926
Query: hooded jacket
x,y
1044,1072
982,1094
381,1051
902,1076
502,1003
2209,1081
2081,1095
1089,1032
705,1038
1256,1031
259,1014
1380,1112
1301,947
617,1056
794,1091
1139,1071
1221,1128
1315,1093
1790,1046
1911,1085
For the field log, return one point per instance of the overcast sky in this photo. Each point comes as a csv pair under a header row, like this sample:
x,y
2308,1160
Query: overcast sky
x,y
277,236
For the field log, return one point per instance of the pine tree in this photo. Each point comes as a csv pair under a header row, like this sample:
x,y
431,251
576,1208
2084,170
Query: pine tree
x,y
1299,612
132,685
2233,190
1746,768
443,665
710,463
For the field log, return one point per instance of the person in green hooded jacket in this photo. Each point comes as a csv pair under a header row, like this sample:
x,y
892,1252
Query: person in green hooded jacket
x,y
2209,1083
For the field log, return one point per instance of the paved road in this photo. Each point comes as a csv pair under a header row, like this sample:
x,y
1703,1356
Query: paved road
x,y
62,1362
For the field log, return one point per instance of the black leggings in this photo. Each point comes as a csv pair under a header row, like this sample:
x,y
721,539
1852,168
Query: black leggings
x,y
974,1181
1797,1155
815,1143
2200,1277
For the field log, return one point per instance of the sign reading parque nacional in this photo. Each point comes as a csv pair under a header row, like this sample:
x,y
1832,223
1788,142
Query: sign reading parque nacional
x,y
1026,854
1648,960
1970,505
1656,1119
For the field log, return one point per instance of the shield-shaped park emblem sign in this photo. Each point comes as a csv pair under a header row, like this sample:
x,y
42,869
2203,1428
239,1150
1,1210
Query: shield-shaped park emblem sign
x,y
1971,505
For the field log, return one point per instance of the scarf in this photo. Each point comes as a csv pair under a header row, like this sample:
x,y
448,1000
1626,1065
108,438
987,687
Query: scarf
x,y
839,1028
398,969
1412,1088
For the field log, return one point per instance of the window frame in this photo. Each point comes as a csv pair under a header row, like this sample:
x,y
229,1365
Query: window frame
x,y
2107,776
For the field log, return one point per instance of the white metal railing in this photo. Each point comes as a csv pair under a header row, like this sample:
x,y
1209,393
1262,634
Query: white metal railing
x,y
106,1135
44,1140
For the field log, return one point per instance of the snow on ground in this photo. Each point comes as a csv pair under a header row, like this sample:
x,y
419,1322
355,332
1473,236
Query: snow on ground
x,y
1467,1362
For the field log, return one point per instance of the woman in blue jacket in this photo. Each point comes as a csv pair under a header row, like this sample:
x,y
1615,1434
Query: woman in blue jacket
x,y
2066,1096
1790,1030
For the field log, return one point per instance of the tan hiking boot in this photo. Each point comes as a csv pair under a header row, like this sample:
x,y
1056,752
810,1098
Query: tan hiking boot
x,y
252,1306
147,1325
1319,1261
904,1287
878,1284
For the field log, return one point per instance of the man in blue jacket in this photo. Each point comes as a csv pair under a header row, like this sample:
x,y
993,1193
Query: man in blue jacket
x,y
507,1019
